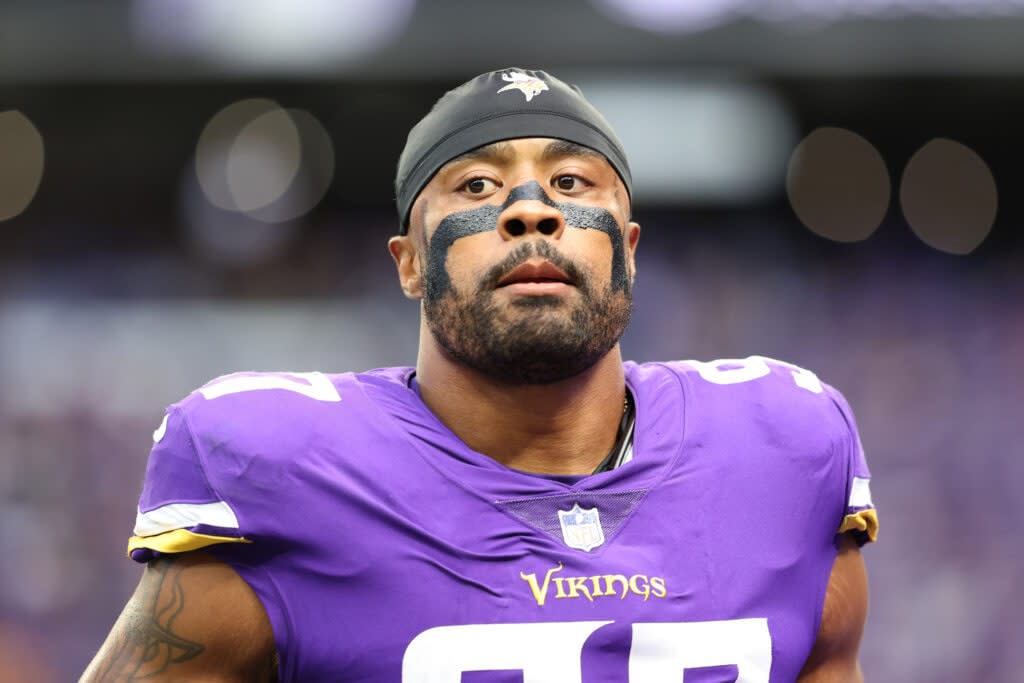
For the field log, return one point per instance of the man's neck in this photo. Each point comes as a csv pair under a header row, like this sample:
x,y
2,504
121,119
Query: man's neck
x,y
566,427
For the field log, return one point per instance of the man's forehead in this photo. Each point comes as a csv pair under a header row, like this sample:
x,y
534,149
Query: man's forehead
x,y
507,151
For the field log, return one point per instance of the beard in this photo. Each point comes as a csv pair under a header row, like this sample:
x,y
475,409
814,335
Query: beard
x,y
532,339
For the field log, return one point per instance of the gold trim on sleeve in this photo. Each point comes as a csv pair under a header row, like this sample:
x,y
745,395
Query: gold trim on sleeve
x,y
865,521
179,541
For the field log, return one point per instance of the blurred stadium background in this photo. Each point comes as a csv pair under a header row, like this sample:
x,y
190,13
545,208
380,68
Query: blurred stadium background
x,y
193,187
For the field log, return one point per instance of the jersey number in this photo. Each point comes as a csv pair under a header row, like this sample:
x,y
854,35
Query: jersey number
x,y
738,370
544,652
315,385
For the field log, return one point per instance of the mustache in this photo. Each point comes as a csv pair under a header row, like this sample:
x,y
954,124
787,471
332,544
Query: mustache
x,y
523,253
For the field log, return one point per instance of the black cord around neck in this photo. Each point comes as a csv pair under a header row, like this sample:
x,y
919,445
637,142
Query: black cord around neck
x,y
623,439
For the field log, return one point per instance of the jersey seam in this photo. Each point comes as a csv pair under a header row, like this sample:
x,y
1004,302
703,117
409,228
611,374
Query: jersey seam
x,y
284,656
407,437
200,461
527,499
683,379
848,466
682,420
850,451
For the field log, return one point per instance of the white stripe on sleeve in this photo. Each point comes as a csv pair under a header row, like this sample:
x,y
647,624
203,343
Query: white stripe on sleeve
x,y
183,515
860,493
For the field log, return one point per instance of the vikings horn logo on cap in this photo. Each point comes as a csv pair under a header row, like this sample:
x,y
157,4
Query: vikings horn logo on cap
x,y
530,86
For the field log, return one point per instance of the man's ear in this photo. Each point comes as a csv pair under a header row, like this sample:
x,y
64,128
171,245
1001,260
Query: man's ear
x,y
407,263
632,238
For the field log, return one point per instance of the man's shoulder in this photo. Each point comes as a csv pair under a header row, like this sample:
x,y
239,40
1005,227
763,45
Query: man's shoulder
x,y
248,436
758,419
277,411
755,387
226,456
262,392
752,372
259,400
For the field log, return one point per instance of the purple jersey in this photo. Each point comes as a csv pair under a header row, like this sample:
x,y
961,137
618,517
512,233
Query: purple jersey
x,y
384,549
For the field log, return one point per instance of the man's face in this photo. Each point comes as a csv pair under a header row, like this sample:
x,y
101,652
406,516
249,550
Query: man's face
x,y
525,252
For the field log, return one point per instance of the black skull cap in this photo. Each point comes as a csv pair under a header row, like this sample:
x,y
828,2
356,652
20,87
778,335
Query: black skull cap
x,y
501,105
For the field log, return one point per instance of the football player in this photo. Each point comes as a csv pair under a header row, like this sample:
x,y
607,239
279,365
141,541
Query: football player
x,y
522,504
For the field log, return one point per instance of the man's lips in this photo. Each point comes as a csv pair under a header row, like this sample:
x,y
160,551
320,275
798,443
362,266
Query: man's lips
x,y
535,272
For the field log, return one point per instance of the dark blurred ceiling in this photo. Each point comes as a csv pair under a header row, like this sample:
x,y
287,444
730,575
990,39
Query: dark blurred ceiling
x,y
61,40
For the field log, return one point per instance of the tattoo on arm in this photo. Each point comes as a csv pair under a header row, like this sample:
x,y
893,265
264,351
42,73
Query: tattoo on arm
x,y
147,643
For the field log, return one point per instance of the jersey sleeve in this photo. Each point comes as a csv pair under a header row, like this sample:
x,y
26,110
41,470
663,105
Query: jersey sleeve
x,y
860,518
179,510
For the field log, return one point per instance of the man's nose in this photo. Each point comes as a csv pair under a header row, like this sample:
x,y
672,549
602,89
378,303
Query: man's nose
x,y
530,215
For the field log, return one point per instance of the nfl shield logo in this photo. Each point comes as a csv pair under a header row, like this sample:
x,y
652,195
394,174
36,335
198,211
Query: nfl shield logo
x,y
581,528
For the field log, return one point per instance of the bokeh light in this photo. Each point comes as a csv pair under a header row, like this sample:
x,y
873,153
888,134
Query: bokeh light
x,y
263,160
270,34
668,16
257,168
949,196
838,185
313,176
271,163
215,143
21,163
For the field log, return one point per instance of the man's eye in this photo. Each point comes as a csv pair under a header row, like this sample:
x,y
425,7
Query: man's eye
x,y
568,183
480,186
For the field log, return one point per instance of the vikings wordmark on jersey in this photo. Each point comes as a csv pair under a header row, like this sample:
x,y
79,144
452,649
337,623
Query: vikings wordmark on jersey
x,y
384,549
590,587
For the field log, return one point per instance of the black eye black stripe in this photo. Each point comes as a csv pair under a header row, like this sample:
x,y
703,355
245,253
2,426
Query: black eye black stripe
x,y
531,190
484,218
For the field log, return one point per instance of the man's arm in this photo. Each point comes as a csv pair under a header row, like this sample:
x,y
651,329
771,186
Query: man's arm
x,y
834,656
191,618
